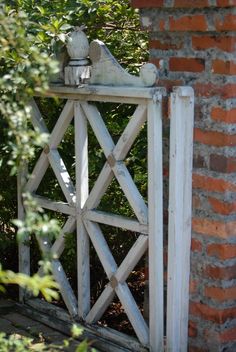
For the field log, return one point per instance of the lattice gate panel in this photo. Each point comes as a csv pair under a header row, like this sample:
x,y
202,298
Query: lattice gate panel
x,y
81,205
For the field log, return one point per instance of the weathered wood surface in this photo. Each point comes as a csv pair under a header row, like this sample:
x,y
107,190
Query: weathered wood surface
x,y
180,206
131,95
155,218
103,339
14,322
82,190
106,70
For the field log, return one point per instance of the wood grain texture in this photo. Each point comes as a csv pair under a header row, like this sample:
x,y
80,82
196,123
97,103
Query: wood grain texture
x,y
180,205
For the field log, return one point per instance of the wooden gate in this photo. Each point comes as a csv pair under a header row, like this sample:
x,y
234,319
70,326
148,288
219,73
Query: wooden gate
x,y
81,208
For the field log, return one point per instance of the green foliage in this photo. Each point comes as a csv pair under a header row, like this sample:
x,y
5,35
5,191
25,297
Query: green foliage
x,y
24,70
35,284
24,344
114,22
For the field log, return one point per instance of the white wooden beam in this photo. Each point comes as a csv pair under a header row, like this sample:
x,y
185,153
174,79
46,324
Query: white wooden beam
x,y
61,124
130,132
37,119
49,204
59,245
180,198
155,206
62,175
82,189
60,277
37,174
118,167
122,273
116,221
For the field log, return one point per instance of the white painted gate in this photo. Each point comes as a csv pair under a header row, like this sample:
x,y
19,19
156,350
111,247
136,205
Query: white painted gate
x,y
81,207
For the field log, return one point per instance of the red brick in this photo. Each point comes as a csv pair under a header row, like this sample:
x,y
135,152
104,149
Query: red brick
x,y
156,61
222,251
220,294
228,335
226,116
197,349
188,23
214,228
147,4
196,246
224,43
199,162
209,89
196,202
166,44
193,286
189,3
225,3
214,138
222,207
224,67
212,184
219,272
169,84
186,64
192,329
212,314
221,163
228,23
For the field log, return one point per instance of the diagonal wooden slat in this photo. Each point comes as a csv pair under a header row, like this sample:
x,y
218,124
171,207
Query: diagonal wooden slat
x,y
121,172
122,147
131,191
101,247
102,183
59,245
37,174
36,118
130,132
60,277
127,265
133,313
54,139
121,289
61,124
62,175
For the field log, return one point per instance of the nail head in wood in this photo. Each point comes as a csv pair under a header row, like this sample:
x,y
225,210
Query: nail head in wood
x,y
113,282
111,160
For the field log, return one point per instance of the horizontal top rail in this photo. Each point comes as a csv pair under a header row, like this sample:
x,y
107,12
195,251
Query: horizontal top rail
x,y
106,93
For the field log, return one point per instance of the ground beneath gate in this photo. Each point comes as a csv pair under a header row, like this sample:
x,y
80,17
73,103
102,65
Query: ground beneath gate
x,y
13,322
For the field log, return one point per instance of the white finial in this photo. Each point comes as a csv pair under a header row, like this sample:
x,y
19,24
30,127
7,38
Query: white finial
x,y
78,49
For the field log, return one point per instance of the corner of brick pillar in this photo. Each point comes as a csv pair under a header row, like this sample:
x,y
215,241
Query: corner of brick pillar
x,y
193,42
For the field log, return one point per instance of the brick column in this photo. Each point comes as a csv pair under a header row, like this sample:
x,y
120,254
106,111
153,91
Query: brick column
x,y
194,43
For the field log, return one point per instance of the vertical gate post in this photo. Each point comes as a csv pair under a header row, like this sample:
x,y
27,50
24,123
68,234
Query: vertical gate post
x,y
155,215
180,204
24,248
82,189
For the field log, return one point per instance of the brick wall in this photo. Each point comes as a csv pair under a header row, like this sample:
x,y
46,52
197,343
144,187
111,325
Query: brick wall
x,y
194,43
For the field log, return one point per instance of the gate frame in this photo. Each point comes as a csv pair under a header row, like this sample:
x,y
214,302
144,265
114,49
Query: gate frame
x,y
152,98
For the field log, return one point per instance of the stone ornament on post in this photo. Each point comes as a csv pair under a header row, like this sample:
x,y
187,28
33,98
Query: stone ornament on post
x,y
105,70
78,70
